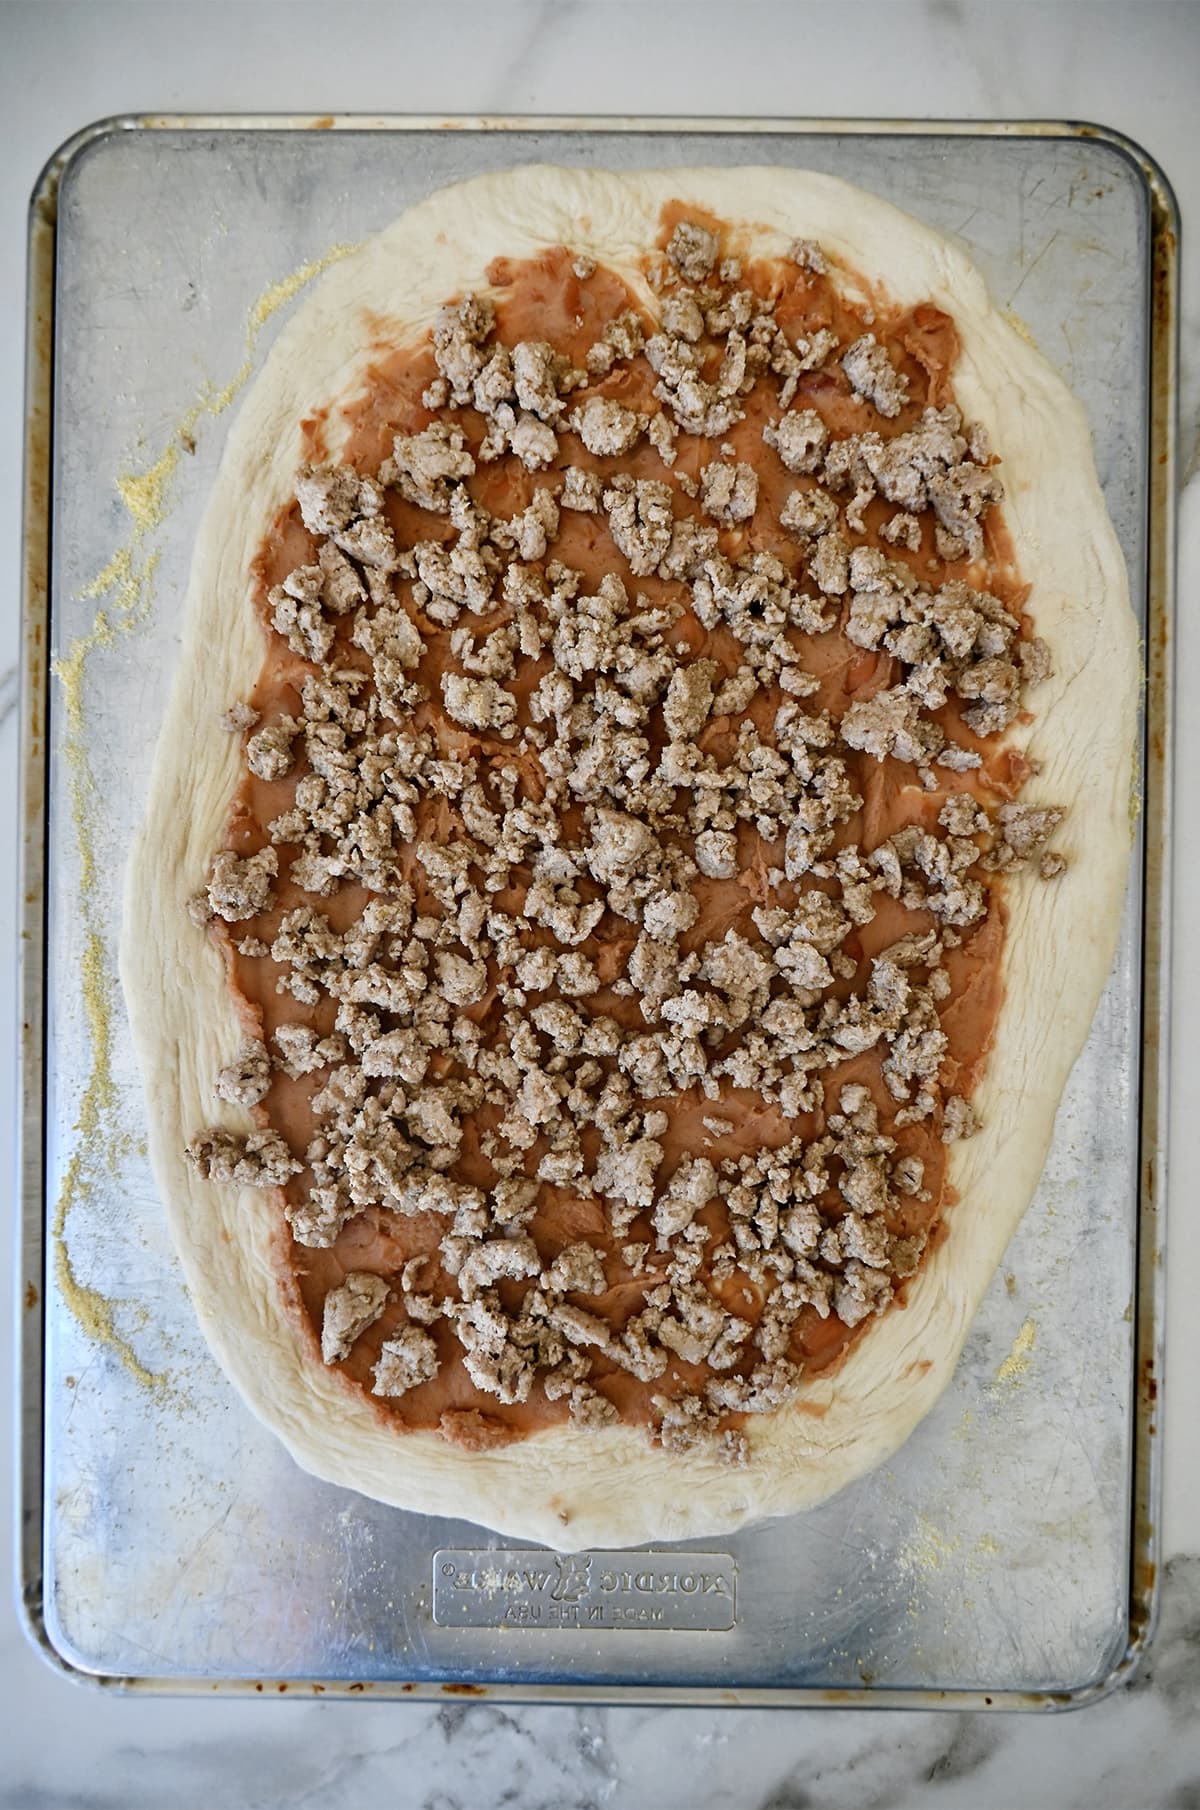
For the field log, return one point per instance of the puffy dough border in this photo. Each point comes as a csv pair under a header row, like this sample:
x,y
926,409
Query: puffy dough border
x,y
567,1487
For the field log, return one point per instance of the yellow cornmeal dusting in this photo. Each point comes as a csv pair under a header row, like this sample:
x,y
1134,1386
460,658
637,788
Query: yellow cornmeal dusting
x,y
118,577
1019,326
928,1549
144,495
132,589
93,1310
1135,782
126,583
1017,1362
214,402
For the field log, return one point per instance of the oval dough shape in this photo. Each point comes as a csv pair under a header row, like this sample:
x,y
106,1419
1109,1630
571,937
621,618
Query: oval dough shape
x,y
566,1486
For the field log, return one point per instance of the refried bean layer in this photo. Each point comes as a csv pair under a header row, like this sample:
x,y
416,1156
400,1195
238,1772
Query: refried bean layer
x,y
559,300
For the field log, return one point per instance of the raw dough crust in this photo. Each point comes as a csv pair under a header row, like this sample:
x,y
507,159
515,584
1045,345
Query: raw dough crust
x,y
568,1487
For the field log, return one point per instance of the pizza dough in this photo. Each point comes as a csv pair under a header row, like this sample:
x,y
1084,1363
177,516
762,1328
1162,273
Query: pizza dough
x,y
608,1487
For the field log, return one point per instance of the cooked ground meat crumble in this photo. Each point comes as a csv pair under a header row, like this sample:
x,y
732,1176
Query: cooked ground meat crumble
x,y
607,871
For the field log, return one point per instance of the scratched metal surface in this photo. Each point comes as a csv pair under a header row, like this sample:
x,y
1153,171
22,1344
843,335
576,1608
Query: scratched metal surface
x,y
180,1542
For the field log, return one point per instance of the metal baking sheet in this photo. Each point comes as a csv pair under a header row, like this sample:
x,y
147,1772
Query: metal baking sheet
x,y
1006,1555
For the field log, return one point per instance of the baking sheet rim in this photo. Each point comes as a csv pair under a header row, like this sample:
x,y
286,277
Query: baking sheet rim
x,y
1156,870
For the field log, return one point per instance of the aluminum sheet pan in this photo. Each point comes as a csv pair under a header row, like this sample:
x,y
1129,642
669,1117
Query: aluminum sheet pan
x,y
1006,1554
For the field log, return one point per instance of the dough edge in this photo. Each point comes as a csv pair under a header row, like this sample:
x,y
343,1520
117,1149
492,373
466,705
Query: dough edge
x,y
567,1487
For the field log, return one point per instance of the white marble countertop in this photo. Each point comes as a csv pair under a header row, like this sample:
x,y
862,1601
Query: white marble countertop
x,y
1129,66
